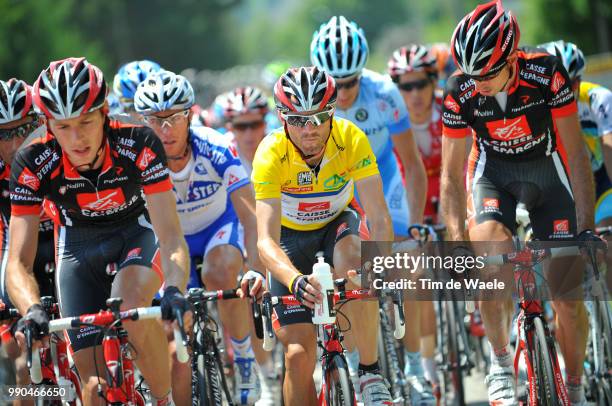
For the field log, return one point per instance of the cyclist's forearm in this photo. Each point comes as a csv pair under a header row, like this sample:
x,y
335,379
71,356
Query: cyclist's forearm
x,y
21,286
276,261
583,189
381,227
452,201
175,262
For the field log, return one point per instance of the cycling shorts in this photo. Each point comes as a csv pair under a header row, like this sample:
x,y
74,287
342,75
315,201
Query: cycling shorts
x,y
301,248
542,185
225,230
88,258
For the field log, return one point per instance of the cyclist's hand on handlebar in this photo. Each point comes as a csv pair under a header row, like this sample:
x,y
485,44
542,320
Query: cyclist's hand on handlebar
x,y
173,303
307,290
589,238
36,321
419,232
258,284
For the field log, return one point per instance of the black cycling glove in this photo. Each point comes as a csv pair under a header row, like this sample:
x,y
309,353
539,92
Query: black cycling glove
x,y
172,301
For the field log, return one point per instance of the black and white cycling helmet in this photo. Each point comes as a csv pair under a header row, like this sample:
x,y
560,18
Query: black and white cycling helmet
x,y
243,100
306,89
484,39
339,47
162,91
15,100
571,56
69,88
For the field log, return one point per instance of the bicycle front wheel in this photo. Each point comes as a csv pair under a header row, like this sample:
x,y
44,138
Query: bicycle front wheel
x,y
338,387
543,367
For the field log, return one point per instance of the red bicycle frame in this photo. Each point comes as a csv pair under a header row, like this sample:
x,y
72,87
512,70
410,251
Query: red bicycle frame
x,y
531,308
331,340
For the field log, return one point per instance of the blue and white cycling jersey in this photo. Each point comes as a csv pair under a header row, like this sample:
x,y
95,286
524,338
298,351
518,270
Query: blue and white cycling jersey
x,y
380,112
203,188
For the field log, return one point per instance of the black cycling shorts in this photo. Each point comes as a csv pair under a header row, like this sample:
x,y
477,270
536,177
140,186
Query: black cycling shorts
x,y
84,276
301,248
496,186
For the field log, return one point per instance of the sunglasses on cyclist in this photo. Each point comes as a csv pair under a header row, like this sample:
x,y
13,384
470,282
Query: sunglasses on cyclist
x,y
347,85
21,131
300,120
253,125
410,86
170,120
488,77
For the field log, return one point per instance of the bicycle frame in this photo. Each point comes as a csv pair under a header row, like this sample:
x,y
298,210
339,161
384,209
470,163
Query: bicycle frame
x,y
329,336
531,308
119,367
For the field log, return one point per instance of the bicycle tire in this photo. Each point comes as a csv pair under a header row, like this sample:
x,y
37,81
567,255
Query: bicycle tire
x,y
543,367
339,389
453,354
601,342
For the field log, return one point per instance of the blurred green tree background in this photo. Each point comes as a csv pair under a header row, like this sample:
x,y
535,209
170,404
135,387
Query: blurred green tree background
x,y
217,34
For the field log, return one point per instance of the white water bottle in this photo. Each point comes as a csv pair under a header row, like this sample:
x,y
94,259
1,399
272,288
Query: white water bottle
x,y
324,312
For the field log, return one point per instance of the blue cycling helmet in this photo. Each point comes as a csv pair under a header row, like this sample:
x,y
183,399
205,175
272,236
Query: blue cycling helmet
x,y
571,56
163,90
130,75
339,47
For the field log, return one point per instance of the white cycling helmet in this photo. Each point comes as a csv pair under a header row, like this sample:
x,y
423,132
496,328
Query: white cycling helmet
x,y
571,56
339,47
162,91
15,100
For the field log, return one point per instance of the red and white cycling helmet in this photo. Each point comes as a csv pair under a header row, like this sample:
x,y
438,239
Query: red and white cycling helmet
x,y
69,88
411,58
243,100
484,39
306,89
15,100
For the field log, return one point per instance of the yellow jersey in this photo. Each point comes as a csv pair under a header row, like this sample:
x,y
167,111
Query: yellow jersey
x,y
310,200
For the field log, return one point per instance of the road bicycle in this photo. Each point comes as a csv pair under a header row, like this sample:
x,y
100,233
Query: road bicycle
x,y
336,386
118,353
535,343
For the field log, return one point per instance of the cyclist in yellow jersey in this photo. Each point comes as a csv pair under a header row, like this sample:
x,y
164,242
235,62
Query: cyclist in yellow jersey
x,y
304,176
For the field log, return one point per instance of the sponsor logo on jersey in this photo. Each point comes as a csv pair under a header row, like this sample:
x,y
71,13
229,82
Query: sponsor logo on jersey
x,y
200,168
118,170
509,129
557,82
451,104
525,98
145,158
367,161
232,150
29,179
232,179
334,182
62,190
101,201
304,178
313,207
361,114
220,234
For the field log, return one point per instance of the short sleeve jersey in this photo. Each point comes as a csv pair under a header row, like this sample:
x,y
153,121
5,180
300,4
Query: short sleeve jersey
x,y
380,112
595,113
134,165
217,172
541,92
310,200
